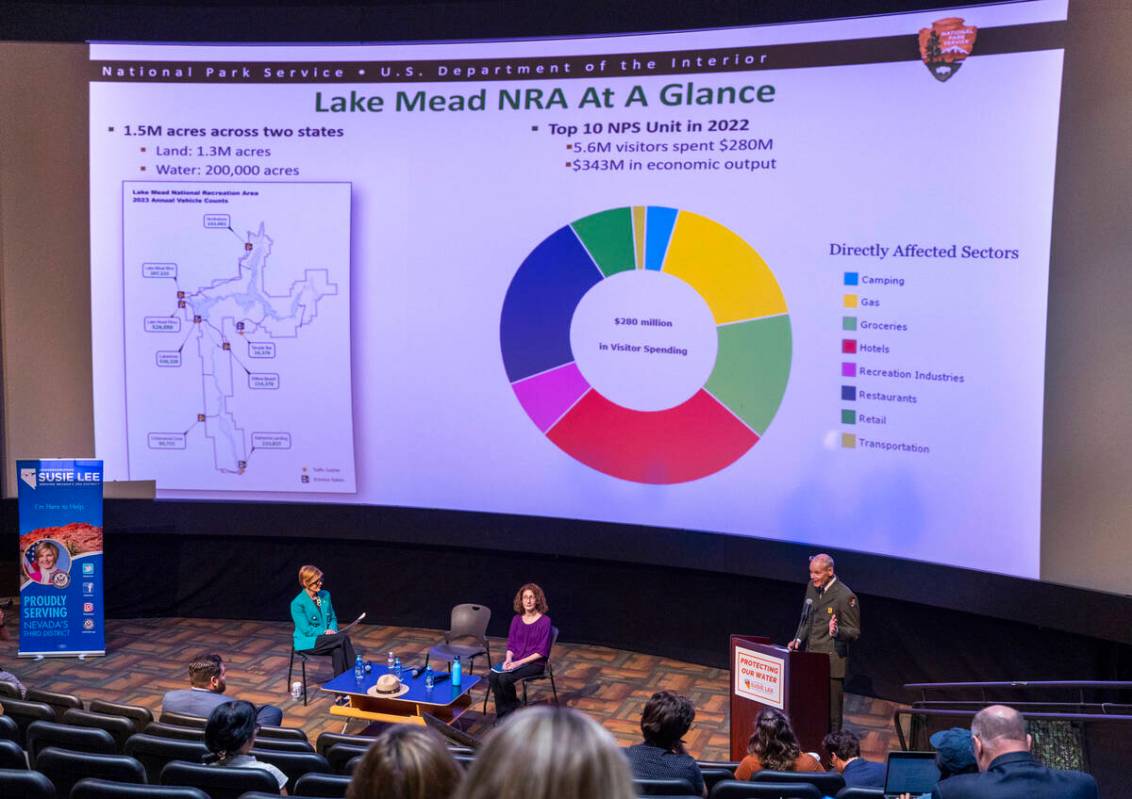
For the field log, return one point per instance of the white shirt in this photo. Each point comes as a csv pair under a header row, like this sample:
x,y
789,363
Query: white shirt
x,y
247,761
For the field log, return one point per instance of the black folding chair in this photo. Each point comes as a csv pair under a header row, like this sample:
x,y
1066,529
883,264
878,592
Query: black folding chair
x,y
107,789
828,782
672,786
60,702
332,786
141,716
24,713
154,753
293,764
64,768
738,789
41,734
219,783
24,784
119,727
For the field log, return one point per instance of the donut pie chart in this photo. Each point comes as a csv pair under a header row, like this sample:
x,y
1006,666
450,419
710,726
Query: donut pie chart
x,y
648,343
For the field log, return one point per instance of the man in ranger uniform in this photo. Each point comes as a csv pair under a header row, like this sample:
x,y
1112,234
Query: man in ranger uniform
x,y
831,618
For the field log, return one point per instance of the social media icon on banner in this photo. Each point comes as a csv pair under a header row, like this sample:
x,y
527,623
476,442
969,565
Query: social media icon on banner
x,y
88,607
88,624
88,568
88,588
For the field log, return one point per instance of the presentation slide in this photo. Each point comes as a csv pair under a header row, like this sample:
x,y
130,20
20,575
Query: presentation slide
x,y
787,282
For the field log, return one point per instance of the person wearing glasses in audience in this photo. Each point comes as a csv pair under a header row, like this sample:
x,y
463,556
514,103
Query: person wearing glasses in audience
x,y
316,626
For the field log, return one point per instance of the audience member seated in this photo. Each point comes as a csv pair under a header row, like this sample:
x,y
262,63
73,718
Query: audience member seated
x,y
549,753
230,735
316,624
774,746
1007,769
405,763
14,681
207,676
954,753
665,721
528,647
844,750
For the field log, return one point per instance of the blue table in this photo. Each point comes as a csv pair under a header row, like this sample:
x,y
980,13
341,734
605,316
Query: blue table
x,y
445,701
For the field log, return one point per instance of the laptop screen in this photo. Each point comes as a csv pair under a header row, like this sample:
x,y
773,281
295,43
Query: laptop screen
x,y
911,772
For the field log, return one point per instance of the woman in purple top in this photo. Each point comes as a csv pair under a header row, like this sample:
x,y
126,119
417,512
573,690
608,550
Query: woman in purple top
x,y
528,647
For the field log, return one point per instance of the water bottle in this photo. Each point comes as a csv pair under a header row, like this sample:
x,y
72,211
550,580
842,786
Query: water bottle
x,y
429,679
457,673
397,667
359,669
390,660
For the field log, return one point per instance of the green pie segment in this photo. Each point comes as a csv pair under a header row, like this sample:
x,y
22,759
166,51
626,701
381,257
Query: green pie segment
x,y
752,368
608,237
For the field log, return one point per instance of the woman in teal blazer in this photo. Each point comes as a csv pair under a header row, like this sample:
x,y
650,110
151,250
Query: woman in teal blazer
x,y
316,626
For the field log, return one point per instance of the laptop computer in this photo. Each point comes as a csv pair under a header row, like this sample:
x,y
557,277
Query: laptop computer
x,y
914,773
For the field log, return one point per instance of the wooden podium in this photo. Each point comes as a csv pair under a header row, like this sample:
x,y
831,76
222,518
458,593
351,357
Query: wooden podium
x,y
765,675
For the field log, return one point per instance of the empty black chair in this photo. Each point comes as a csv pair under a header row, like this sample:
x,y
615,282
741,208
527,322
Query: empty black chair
x,y
672,786
283,745
293,764
154,752
352,764
328,739
41,734
106,789
183,719
64,768
286,733
332,786
119,727
24,713
162,730
219,783
24,784
9,689
714,774
828,782
61,702
340,755
738,789
9,730
11,756
860,793
141,716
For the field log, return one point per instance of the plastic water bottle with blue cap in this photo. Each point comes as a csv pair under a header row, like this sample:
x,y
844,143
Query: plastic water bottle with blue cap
x,y
359,669
429,678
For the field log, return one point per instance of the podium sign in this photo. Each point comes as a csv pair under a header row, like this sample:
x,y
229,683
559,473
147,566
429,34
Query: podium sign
x,y
764,675
60,511
759,677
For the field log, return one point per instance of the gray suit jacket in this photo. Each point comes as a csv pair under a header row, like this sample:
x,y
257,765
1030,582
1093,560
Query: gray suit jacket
x,y
198,702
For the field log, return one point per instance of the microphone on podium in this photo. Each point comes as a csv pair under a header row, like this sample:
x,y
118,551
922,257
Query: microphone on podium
x,y
806,610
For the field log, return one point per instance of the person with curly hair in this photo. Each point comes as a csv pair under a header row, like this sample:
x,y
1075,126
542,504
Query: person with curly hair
x,y
528,647
773,746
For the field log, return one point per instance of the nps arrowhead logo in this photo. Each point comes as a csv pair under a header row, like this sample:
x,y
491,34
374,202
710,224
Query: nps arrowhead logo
x,y
28,476
945,46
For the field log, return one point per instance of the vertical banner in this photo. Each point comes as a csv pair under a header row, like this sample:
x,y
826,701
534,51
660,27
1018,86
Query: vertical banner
x,y
60,508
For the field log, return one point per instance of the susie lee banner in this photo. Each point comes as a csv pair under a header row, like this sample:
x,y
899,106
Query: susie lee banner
x,y
60,507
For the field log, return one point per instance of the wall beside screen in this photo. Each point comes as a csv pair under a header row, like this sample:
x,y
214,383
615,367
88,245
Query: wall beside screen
x,y
1020,494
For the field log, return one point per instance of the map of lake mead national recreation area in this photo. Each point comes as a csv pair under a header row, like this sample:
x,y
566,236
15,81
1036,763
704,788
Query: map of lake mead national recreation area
x,y
237,335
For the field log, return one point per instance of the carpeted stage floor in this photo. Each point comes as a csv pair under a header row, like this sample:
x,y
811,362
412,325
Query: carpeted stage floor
x,y
149,656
